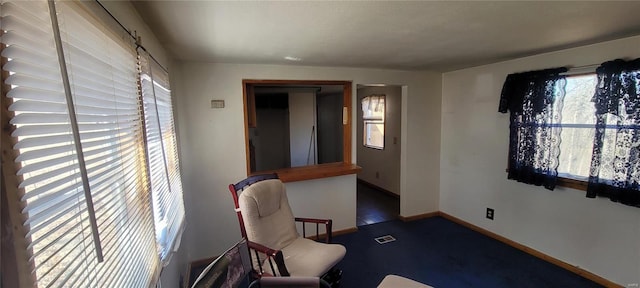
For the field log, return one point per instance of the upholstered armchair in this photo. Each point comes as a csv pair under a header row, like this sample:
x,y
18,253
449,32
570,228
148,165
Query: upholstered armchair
x,y
278,249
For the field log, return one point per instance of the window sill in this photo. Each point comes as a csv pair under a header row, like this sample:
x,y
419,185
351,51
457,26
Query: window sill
x,y
313,172
569,183
572,183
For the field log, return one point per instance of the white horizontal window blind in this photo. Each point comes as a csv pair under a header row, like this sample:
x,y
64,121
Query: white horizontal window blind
x,y
58,225
162,154
102,78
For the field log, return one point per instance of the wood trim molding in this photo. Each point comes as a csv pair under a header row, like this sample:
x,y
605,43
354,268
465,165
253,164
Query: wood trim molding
x,y
374,186
345,231
246,125
313,172
419,216
572,183
335,233
569,183
346,127
571,268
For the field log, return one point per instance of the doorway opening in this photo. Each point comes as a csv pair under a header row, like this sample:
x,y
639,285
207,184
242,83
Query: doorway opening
x,y
378,135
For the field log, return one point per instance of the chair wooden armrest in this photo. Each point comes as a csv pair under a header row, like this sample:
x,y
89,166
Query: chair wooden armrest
x,y
272,256
327,222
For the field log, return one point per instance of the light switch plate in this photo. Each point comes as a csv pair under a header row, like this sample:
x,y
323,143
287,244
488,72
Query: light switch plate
x,y
345,116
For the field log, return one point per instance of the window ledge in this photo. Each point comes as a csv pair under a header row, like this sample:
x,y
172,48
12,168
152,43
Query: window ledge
x,y
294,174
569,182
572,183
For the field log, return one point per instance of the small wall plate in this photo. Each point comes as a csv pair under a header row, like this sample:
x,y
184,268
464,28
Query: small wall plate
x,y
385,239
217,103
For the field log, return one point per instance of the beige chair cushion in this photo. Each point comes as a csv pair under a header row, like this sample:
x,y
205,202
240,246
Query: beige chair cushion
x,y
267,216
394,281
306,257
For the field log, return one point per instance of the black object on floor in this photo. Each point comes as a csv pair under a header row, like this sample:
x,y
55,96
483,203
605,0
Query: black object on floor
x,y
443,254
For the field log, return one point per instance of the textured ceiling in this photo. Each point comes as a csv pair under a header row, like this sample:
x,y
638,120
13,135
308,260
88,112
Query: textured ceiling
x,y
416,35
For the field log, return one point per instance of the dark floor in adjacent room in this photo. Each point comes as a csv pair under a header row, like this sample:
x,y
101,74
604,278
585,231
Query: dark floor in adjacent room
x,y
443,254
375,206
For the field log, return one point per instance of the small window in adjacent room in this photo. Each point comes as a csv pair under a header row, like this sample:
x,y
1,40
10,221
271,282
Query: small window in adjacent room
x,y
373,114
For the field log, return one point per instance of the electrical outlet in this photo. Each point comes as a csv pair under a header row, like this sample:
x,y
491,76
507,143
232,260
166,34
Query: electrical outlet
x,y
490,213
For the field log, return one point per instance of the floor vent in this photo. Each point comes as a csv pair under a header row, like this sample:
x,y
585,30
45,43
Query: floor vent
x,y
385,239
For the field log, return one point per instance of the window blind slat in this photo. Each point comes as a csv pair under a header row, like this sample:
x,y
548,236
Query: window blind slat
x,y
60,230
35,12
35,118
37,29
48,270
37,130
30,87
45,164
66,246
42,216
40,141
48,175
41,193
28,56
34,70
49,94
34,106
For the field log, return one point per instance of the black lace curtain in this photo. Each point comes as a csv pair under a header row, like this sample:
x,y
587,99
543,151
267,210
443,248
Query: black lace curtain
x,y
615,163
534,102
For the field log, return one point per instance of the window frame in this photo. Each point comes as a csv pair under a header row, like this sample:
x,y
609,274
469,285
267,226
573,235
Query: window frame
x,y
562,181
372,120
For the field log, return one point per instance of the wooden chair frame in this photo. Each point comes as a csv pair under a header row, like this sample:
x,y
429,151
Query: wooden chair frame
x,y
272,254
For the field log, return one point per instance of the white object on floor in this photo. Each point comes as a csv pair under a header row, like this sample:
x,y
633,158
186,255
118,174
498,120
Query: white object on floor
x,y
394,281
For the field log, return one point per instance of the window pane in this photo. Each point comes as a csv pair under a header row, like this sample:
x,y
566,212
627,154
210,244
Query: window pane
x,y
373,107
578,120
373,112
374,134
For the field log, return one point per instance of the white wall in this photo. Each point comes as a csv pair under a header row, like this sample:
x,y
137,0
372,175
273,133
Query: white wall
x,y
387,161
213,149
129,17
597,235
302,120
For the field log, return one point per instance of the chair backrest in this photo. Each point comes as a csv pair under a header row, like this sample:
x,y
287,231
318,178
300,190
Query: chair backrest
x,y
263,211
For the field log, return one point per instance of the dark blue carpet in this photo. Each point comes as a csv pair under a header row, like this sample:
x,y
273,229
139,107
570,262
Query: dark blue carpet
x,y
443,254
